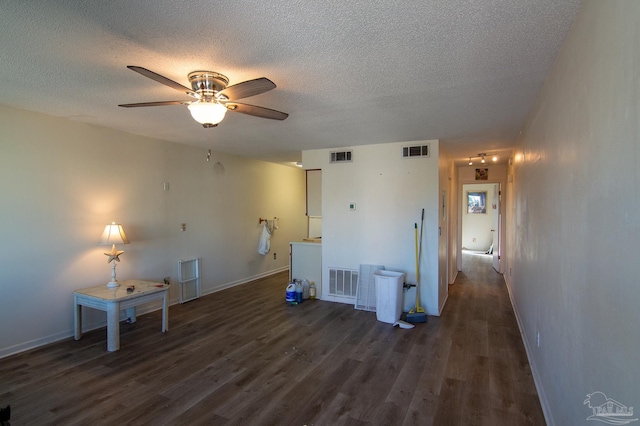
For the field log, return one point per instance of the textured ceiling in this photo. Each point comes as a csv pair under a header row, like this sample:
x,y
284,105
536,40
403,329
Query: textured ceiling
x,y
348,72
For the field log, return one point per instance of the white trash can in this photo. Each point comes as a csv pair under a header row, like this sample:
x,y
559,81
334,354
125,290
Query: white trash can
x,y
388,295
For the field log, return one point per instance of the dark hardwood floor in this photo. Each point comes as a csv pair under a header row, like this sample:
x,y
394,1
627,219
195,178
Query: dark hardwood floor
x,y
243,357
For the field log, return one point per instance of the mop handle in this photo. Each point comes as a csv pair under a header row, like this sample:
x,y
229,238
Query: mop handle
x,y
421,226
417,267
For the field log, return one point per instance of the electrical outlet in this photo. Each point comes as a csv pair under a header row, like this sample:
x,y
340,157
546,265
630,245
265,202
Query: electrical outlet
x,y
274,256
474,240
167,280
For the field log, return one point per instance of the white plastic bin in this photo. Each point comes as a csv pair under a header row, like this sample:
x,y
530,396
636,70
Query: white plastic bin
x,y
388,295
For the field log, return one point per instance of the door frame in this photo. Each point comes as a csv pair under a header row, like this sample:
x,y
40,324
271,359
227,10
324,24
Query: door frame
x,y
496,259
461,208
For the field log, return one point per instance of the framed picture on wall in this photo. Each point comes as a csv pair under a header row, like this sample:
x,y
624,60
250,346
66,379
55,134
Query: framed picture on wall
x,y
477,202
482,174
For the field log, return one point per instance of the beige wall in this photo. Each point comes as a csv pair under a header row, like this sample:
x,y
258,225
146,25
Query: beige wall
x,y
496,173
453,218
573,221
446,170
61,182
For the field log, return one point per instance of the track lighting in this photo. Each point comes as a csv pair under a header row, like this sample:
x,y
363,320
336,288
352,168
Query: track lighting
x,y
482,156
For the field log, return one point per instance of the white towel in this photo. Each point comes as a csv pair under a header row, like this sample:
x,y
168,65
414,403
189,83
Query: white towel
x,y
265,244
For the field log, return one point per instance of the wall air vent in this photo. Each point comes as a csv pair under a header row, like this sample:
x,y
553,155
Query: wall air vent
x,y
415,151
340,157
343,282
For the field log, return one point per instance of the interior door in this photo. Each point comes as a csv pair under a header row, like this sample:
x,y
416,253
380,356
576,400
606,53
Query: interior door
x,y
497,219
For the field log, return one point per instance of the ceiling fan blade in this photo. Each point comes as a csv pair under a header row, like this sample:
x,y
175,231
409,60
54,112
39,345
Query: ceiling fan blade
x,y
256,111
248,88
160,103
162,80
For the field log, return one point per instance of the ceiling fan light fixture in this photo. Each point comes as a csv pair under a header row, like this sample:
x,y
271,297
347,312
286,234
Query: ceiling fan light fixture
x,y
212,96
208,114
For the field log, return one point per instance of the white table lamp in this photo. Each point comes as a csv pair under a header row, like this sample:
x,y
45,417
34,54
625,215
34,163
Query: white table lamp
x,y
113,234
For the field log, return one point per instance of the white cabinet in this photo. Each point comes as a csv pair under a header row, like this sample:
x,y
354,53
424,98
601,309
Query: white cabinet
x,y
305,261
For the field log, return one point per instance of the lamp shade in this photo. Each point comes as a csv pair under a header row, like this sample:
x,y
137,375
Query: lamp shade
x,y
207,112
113,234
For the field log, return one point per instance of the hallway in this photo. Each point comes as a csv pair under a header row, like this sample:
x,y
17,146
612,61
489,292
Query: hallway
x,y
233,360
487,375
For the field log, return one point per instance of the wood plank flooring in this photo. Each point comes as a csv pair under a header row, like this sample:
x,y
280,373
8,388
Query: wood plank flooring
x,y
243,357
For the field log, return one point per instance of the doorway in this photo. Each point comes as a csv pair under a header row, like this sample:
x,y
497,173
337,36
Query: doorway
x,y
480,222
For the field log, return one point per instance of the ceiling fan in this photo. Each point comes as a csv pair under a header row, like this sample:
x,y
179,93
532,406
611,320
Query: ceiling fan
x,y
212,97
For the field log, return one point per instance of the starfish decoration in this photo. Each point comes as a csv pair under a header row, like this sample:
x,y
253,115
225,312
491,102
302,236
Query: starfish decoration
x,y
114,254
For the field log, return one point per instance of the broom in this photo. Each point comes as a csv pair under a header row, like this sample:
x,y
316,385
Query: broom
x,y
417,314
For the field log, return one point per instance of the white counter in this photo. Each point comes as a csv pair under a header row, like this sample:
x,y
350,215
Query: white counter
x,y
305,261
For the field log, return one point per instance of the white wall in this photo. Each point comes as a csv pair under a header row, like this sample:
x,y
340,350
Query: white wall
x,y
574,221
61,182
390,193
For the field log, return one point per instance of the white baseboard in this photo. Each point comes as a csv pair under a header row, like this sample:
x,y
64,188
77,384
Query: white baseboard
x,y
32,344
444,302
246,280
22,347
544,402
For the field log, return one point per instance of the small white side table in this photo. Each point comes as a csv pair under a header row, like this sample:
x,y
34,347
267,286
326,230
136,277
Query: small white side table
x,y
112,300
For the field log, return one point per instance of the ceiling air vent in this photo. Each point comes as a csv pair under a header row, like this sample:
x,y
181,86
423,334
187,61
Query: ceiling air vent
x,y
415,151
340,157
